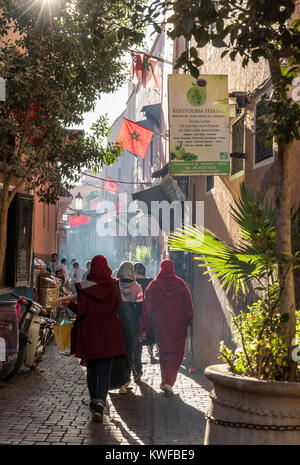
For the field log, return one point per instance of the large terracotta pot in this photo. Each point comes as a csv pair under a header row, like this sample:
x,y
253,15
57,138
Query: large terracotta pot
x,y
248,411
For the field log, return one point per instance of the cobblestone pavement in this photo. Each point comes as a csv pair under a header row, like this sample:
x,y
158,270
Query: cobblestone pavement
x,y
50,406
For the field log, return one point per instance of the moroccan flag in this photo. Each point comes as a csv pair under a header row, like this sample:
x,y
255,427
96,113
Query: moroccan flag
x,y
111,186
134,137
136,67
79,220
144,69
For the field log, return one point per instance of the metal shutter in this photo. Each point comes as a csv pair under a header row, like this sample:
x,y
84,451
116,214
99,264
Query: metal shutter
x,y
19,236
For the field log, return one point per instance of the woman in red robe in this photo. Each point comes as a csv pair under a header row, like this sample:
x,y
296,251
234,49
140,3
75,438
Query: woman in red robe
x,y
96,336
168,307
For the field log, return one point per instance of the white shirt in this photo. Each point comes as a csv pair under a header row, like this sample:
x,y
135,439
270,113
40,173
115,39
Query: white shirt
x,y
78,274
63,267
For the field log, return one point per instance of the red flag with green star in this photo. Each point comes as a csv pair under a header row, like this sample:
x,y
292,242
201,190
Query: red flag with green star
x,y
144,69
111,186
134,138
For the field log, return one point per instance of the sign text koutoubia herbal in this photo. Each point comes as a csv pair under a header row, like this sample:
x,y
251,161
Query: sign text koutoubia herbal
x,y
199,124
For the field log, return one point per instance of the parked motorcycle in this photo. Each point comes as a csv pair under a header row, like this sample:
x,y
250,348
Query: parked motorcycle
x,y
29,335
46,335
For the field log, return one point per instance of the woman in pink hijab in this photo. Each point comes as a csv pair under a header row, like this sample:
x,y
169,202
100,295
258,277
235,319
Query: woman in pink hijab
x,y
168,307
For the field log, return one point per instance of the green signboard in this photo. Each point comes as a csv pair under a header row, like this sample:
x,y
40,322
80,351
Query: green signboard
x,y
199,124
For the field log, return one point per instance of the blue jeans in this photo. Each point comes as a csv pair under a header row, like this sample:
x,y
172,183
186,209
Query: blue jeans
x,y
98,376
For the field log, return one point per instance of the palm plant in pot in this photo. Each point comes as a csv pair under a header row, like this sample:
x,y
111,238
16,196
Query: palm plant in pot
x,y
252,401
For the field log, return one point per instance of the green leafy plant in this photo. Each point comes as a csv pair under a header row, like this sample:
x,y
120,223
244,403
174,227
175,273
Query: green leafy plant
x,y
261,352
235,266
264,353
180,154
143,255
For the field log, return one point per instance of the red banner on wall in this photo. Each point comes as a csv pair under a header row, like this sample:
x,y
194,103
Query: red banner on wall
x,y
79,220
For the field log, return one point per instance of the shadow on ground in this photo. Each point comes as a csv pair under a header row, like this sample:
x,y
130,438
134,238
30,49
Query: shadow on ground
x,y
150,418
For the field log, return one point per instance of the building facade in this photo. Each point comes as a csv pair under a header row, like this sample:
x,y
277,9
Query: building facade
x,y
259,171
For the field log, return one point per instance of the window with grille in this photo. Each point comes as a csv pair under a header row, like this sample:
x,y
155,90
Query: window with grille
x,y
261,152
238,131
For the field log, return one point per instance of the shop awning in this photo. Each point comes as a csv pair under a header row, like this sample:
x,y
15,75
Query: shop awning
x,y
168,190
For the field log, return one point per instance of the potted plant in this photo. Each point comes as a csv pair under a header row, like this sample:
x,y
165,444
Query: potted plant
x,y
252,401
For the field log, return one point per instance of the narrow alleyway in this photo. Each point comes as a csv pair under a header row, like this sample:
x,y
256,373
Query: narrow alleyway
x,y
51,407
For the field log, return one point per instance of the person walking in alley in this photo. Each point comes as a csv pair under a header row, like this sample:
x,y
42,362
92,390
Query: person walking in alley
x,y
140,275
96,336
168,307
51,266
88,267
129,314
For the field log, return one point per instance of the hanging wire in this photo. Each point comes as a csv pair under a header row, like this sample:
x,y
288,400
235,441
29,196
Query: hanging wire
x,y
121,182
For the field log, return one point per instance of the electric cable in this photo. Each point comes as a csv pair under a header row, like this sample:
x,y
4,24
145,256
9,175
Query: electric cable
x,y
119,182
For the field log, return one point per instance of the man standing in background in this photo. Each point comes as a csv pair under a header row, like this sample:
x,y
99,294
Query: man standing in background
x,y
78,273
51,266
63,266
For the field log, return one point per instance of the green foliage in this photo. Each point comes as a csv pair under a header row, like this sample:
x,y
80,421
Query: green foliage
x,y
254,258
261,352
56,62
250,29
143,255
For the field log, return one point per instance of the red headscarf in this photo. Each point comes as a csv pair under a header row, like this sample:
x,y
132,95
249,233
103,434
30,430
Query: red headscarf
x,y
167,280
100,272
166,269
